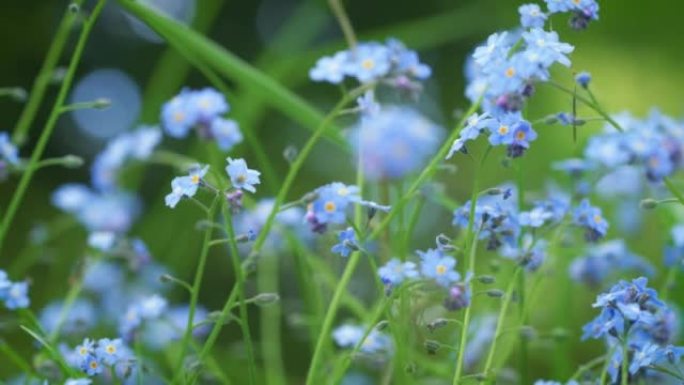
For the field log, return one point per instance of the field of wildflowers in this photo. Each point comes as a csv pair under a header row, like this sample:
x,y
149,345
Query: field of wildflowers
x,y
221,228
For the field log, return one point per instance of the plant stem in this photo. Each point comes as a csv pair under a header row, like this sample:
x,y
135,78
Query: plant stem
x,y
673,189
197,283
341,287
240,282
472,238
499,324
343,21
624,373
42,81
25,180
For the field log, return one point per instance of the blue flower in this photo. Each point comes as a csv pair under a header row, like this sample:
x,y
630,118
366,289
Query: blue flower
x,y
502,130
5,285
473,128
547,48
583,79
226,132
395,272
179,114
439,267
17,296
496,47
102,240
8,151
406,61
368,62
71,197
367,104
109,351
348,336
330,69
208,103
605,259
394,142
348,243
78,381
556,6
242,177
591,218
92,366
186,186
535,217
531,16
330,206
644,357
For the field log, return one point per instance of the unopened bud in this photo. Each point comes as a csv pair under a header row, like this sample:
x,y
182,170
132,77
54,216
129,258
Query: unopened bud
x,y
648,204
72,161
382,325
560,334
74,8
101,103
495,293
290,153
310,197
350,245
437,324
527,332
551,119
494,191
442,240
266,299
486,279
432,346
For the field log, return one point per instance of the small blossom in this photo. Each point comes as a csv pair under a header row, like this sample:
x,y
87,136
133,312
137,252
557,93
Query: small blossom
x,y
439,267
109,351
186,186
226,133
347,239
395,272
531,16
8,151
583,79
242,177
17,296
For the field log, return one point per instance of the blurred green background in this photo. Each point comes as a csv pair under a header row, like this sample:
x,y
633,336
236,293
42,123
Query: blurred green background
x,y
634,52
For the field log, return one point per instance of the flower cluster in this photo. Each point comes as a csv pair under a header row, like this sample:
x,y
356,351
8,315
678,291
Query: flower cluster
x,y
637,326
13,294
654,144
329,203
348,336
391,63
582,11
136,145
502,74
202,110
95,356
394,142
605,259
241,177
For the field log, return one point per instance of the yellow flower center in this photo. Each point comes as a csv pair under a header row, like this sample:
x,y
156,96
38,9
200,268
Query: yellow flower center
x,y
195,179
343,192
241,179
598,218
330,206
93,364
111,349
510,72
179,116
441,269
368,64
83,351
503,130
520,135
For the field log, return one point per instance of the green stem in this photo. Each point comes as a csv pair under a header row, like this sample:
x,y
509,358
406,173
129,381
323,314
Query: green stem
x,y
15,357
69,301
240,279
197,283
588,366
429,170
499,325
624,373
472,235
340,289
25,180
45,75
673,189
343,21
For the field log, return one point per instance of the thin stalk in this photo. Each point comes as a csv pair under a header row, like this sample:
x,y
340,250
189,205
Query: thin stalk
x,y
13,356
624,372
45,75
343,20
240,278
26,177
429,170
341,287
673,189
588,366
472,238
197,283
499,324
71,297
